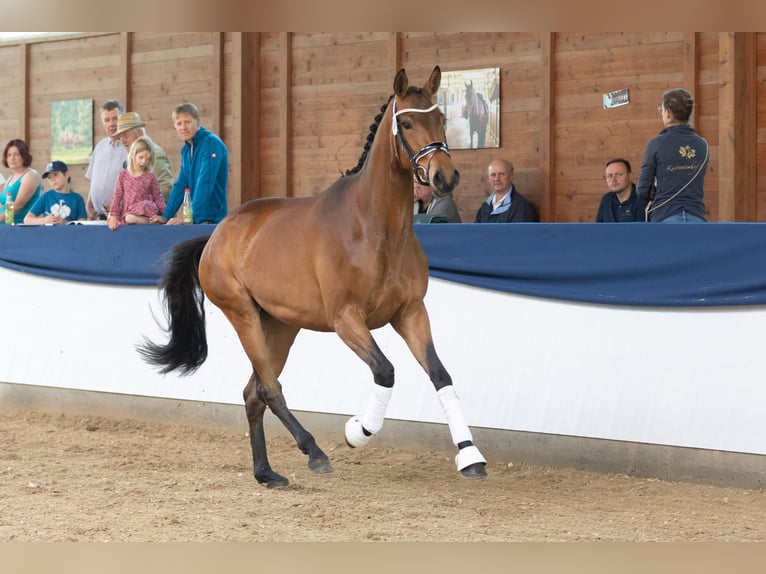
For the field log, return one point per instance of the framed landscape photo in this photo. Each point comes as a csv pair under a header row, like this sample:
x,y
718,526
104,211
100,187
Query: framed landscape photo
x,y
72,131
470,101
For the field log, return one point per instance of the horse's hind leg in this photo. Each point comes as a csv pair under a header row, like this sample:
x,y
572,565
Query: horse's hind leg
x,y
255,408
267,343
279,338
415,328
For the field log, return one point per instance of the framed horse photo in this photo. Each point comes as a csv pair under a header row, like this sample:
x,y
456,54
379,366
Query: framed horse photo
x,y
470,102
72,131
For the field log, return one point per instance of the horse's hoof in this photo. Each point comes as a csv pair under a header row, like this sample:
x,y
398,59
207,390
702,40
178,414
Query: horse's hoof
x,y
469,456
355,435
272,480
320,465
476,470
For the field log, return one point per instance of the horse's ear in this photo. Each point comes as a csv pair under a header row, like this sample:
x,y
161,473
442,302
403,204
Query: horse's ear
x,y
432,86
401,83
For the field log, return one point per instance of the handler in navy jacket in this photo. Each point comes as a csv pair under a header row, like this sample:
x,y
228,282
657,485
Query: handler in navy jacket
x,y
505,205
678,159
204,171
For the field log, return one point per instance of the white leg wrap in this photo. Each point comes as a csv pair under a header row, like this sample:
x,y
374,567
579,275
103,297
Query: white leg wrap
x,y
468,456
354,434
371,420
451,407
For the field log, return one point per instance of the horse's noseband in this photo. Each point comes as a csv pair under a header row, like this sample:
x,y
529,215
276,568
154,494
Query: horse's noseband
x,y
421,172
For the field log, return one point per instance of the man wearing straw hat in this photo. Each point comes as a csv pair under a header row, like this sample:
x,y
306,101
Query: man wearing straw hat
x,y
129,129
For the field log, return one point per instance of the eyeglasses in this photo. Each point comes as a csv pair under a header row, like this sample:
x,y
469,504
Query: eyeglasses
x,y
660,109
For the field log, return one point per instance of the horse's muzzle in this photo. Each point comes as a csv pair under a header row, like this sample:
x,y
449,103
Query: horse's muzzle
x,y
441,184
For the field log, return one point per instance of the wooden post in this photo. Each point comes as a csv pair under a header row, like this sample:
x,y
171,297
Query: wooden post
x,y
24,91
126,41
245,111
394,53
285,113
736,127
547,203
217,84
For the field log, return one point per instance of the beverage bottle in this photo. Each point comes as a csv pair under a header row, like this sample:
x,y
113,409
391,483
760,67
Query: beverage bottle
x,y
188,215
9,209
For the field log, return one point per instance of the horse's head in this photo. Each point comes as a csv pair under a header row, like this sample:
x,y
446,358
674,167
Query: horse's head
x,y
470,96
418,124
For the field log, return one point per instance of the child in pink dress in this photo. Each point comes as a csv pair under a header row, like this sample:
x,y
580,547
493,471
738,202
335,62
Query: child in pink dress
x,y
137,194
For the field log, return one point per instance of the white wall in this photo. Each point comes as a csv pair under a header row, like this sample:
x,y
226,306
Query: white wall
x,y
660,376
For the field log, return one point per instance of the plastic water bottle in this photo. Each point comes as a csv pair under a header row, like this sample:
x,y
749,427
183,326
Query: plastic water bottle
x,y
188,214
10,209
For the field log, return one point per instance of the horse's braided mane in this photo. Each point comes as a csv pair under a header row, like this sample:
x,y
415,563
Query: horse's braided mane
x,y
371,136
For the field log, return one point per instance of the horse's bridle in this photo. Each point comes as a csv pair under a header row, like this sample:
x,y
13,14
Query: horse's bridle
x,y
421,172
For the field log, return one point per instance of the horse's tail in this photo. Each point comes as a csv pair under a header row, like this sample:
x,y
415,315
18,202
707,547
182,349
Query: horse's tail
x,y
184,300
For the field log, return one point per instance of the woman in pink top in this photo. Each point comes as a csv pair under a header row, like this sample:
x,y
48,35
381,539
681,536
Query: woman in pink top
x,y
137,194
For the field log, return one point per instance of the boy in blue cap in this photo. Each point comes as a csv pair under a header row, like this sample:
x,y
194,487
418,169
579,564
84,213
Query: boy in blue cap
x,y
59,204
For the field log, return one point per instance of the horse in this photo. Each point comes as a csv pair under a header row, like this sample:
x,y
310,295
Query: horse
x,y
345,260
477,112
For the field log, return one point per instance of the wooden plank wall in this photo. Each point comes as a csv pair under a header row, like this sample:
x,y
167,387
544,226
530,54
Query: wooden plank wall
x,y
295,108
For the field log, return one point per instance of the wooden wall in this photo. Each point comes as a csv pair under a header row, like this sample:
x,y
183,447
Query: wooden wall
x,y
295,108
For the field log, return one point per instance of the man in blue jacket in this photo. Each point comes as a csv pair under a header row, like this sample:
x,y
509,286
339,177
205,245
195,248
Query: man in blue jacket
x,y
204,171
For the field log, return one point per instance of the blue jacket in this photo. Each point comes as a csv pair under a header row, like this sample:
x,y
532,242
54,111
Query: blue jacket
x,y
205,172
674,157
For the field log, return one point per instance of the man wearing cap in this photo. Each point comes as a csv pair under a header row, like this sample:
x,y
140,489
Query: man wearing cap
x,y
105,162
60,204
129,129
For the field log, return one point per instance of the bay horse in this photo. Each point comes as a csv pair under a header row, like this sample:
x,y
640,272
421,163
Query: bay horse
x,y
346,260
476,110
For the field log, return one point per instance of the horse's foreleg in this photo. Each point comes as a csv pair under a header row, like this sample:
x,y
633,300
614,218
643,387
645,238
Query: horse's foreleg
x,y
352,329
415,329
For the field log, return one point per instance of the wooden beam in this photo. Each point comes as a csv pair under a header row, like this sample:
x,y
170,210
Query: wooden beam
x,y
736,126
238,113
394,53
285,112
691,68
547,203
217,84
126,46
245,112
24,91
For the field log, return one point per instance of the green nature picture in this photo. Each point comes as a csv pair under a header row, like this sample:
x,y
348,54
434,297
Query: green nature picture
x,y
72,131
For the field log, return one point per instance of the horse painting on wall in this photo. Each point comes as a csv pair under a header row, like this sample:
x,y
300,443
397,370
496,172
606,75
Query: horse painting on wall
x,y
470,101
72,131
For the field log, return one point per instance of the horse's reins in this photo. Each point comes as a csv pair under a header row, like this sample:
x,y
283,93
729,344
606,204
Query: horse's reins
x,y
421,173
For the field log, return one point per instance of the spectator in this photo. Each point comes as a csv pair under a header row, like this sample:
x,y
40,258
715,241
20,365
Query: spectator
x,y
137,195
675,163
204,170
60,204
505,204
129,129
620,203
426,203
25,184
105,162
